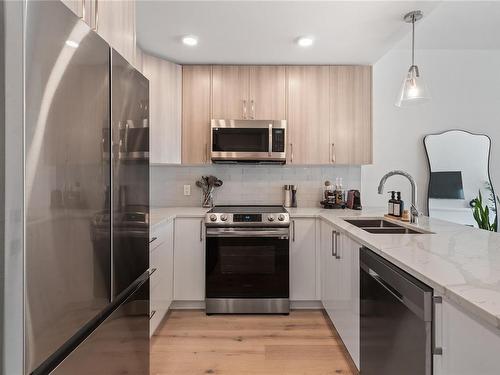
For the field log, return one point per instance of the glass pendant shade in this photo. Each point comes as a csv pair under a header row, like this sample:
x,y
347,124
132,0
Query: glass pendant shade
x,y
413,89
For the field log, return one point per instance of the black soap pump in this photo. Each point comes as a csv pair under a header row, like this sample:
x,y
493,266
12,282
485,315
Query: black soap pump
x,y
399,205
390,210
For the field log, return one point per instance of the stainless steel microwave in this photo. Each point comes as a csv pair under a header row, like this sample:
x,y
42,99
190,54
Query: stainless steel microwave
x,y
134,140
248,141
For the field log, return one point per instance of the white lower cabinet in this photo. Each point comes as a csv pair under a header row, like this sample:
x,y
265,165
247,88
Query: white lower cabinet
x,y
189,259
161,258
303,260
469,347
340,285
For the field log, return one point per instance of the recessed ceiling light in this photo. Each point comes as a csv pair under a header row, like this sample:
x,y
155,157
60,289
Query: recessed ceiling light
x,y
72,43
190,40
305,41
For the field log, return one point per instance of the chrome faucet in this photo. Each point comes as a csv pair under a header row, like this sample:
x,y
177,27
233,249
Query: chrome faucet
x,y
413,209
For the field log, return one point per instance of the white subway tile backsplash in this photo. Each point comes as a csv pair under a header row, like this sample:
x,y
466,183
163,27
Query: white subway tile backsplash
x,y
249,184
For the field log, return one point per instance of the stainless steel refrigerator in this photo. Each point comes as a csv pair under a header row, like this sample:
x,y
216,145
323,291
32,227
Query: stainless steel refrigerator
x,y
86,201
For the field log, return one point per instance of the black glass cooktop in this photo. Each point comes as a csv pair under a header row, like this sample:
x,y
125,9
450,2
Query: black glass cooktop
x,y
247,209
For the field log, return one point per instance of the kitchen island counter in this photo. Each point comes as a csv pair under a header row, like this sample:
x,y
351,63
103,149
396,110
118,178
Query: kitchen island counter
x,y
458,262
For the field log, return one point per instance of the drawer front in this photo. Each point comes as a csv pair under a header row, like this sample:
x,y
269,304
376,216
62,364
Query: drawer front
x,y
158,235
155,263
155,320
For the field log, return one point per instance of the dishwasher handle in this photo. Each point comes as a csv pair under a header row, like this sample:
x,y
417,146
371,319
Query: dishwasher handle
x,y
386,286
411,292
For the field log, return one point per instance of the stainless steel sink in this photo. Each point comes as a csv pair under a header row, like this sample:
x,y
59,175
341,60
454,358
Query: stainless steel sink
x,y
382,226
372,223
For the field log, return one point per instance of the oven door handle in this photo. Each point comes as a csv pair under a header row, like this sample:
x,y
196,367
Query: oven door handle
x,y
282,233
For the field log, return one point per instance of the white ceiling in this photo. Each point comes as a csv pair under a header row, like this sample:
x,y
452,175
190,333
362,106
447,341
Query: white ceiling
x,y
345,32
459,25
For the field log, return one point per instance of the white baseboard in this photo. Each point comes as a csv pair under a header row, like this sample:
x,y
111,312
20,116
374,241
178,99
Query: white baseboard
x,y
187,305
200,305
306,305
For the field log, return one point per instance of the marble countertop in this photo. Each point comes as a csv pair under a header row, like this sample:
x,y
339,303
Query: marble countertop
x,y
458,262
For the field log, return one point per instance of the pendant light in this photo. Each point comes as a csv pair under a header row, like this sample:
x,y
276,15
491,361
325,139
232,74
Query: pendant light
x,y
413,90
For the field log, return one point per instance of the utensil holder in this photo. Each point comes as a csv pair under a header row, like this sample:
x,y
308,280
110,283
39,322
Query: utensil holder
x,y
208,200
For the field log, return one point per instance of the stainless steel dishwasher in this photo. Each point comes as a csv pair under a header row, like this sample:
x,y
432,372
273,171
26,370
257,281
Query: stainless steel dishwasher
x,y
396,327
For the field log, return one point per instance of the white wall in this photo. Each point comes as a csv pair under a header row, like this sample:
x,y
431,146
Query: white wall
x,y
465,90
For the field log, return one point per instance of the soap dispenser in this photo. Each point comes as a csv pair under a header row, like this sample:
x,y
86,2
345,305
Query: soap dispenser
x,y
398,205
390,210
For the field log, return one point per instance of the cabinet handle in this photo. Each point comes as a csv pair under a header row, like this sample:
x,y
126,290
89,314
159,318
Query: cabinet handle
x,y
83,10
244,109
205,159
293,230
153,239
291,153
207,156
270,140
436,350
201,230
96,15
333,153
151,314
337,250
334,250
252,109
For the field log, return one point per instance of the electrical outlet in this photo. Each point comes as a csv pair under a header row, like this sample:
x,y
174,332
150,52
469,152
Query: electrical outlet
x,y
187,189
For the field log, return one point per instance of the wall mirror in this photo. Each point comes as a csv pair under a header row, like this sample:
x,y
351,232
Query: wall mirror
x,y
459,169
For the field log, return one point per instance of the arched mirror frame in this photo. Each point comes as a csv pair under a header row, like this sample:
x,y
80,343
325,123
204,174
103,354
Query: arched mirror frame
x,y
429,162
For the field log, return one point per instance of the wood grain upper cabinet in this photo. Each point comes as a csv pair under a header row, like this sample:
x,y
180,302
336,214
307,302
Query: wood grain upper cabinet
x,y
115,22
308,114
165,93
248,92
76,6
196,115
230,91
267,92
351,114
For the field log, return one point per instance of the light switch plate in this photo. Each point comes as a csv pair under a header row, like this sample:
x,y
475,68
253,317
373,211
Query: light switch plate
x,y
187,189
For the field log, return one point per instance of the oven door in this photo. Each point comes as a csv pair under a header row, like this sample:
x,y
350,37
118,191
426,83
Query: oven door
x,y
247,263
248,140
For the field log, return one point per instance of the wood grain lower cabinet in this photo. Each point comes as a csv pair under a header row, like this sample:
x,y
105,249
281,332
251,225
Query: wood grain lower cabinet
x,y
303,260
196,113
189,259
351,114
161,258
308,114
165,107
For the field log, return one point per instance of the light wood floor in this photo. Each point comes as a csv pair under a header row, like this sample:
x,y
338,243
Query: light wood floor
x,y
189,342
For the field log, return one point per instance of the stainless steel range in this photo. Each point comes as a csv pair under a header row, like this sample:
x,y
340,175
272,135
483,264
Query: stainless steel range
x,y
247,260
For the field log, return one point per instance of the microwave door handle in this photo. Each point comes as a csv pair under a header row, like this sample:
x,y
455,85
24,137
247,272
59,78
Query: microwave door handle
x,y
270,140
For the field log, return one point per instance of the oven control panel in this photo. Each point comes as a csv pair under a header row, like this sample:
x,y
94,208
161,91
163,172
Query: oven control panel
x,y
247,219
